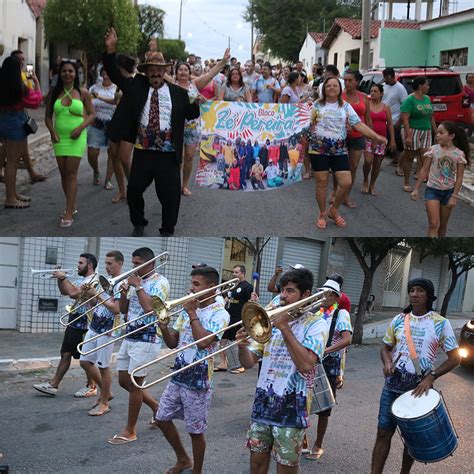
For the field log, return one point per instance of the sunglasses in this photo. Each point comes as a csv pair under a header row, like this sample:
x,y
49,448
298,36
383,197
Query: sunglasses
x,y
68,60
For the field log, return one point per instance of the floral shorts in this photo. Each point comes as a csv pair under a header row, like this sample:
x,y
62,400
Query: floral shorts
x,y
192,132
182,403
375,148
285,443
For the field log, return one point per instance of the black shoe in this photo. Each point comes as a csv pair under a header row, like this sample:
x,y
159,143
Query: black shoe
x,y
164,233
138,231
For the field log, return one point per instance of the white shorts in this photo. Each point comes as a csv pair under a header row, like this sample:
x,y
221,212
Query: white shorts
x,y
103,356
132,354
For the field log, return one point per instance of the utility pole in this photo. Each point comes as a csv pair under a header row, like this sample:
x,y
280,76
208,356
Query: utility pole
x,y
365,35
180,16
252,55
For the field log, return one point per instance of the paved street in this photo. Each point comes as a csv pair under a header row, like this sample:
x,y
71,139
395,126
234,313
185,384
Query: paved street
x,y
290,212
42,434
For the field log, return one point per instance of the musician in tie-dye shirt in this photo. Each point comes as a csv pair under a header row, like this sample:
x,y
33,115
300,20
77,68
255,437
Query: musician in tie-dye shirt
x,y
283,394
429,331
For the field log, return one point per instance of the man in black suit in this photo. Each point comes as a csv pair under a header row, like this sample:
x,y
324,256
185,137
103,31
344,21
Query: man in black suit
x,y
157,111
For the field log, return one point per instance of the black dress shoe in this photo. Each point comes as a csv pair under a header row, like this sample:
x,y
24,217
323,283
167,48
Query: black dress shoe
x,y
165,233
138,231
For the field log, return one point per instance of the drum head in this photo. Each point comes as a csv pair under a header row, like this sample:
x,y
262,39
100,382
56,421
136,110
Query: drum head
x,y
406,406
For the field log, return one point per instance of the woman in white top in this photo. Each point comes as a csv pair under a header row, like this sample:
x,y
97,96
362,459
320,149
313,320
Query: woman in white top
x,y
291,93
234,89
192,128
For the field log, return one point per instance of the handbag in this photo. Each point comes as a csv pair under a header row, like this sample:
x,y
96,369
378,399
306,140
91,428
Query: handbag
x,y
30,126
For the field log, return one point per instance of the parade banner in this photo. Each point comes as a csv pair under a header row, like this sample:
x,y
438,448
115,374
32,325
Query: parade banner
x,y
247,146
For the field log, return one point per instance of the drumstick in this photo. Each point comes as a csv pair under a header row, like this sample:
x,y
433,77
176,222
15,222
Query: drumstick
x,y
256,278
397,359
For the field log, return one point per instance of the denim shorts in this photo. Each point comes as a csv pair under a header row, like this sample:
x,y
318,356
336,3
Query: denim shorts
x,y
285,443
96,138
387,421
441,195
12,125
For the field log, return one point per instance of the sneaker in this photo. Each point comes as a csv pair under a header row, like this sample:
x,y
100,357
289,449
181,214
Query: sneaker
x,y
45,387
86,392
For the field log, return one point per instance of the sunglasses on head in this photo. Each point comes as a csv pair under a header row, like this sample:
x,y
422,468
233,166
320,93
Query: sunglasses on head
x,y
68,60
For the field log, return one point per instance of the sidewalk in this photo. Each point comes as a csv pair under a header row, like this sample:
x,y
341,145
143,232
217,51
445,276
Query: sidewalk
x,y
23,352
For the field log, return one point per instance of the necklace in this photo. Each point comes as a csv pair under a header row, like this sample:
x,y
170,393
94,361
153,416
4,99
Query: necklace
x,y
326,312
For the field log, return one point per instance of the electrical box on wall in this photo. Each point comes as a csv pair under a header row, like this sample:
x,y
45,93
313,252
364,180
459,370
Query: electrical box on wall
x,y
51,255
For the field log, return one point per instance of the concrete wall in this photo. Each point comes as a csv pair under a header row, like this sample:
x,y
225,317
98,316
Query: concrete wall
x,y
310,53
17,21
468,302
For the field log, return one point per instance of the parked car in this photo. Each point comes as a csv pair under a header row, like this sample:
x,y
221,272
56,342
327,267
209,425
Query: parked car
x,y
466,343
449,100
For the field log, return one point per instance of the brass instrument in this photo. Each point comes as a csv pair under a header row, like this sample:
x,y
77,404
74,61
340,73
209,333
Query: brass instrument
x,y
163,313
257,322
108,285
48,273
93,284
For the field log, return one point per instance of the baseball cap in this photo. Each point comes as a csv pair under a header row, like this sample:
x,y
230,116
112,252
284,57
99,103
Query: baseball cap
x,y
297,266
199,265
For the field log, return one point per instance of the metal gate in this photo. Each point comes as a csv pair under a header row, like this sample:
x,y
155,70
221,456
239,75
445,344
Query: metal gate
x,y
9,258
394,276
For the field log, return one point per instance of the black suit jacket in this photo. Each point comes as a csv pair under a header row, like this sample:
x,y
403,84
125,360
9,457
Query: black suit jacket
x,y
135,93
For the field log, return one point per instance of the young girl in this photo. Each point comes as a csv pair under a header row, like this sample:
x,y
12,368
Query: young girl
x,y
444,165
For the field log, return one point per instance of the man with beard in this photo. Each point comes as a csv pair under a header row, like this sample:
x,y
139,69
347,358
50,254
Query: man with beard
x,y
156,120
428,331
288,364
77,326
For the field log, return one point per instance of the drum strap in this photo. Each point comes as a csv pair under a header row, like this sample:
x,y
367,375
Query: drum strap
x,y
411,346
332,327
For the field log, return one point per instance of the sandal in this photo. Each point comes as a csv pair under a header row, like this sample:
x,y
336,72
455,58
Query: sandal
x,y
186,192
338,219
399,172
64,213
118,198
108,185
38,178
96,179
321,222
314,455
240,370
220,369
23,198
17,205
65,222
407,189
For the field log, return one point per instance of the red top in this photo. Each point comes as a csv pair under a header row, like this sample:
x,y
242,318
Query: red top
x,y
379,121
344,302
360,109
274,153
208,90
31,100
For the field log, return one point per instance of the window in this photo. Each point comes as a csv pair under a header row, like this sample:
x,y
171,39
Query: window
x,y
439,85
335,59
453,57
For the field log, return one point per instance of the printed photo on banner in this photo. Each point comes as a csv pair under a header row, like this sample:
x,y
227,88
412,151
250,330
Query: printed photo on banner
x,y
249,147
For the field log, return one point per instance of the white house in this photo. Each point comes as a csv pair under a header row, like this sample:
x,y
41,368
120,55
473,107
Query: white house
x,y
344,41
312,52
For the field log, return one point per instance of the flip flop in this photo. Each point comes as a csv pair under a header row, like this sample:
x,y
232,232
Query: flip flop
x,y
240,370
399,173
314,455
38,178
96,404
350,204
321,222
186,192
407,189
219,369
65,223
117,199
18,205
24,199
97,412
121,440
338,220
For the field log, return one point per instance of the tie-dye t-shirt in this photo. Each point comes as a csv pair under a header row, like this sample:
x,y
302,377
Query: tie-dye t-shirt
x,y
103,318
283,394
429,332
444,165
332,361
213,318
83,322
154,285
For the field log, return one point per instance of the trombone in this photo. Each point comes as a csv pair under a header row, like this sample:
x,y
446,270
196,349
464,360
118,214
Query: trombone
x,y
108,285
45,274
257,321
162,311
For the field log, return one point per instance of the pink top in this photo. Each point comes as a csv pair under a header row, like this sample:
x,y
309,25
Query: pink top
x,y
379,121
359,108
469,92
31,100
208,90
444,165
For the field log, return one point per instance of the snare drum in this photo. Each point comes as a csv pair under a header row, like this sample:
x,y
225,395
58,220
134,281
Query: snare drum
x,y
323,398
425,426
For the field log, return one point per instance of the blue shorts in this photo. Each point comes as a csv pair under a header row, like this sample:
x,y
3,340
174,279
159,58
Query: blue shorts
x,y
96,138
387,421
12,125
441,195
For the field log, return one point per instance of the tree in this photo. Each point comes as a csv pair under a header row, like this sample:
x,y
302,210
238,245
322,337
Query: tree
x,y
83,23
284,24
370,253
173,49
151,25
460,253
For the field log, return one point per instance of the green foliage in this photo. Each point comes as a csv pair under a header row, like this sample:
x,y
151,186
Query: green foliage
x,y
150,21
83,23
173,49
284,24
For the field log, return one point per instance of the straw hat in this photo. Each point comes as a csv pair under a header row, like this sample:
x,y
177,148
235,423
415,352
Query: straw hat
x,y
153,58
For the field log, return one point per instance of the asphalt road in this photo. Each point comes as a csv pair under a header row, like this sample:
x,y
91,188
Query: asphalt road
x,y
42,434
290,211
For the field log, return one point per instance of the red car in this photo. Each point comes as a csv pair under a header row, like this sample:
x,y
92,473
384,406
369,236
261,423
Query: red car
x,y
446,91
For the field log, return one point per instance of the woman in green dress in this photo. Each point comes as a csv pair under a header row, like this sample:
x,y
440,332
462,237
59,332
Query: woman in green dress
x,y
73,112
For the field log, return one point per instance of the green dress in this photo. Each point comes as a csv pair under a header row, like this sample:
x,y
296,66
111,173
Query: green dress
x,y
67,118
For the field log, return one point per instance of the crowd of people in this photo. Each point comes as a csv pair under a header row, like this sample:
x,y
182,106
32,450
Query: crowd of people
x,y
309,333
155,110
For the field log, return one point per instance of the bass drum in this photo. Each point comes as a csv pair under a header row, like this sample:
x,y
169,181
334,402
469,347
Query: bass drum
x,y
425,426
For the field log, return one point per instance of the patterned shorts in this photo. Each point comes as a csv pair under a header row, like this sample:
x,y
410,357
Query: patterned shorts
x,y
421,139
192,132
375,148
285,443
182,403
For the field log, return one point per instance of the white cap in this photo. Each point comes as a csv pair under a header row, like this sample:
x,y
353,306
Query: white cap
x,y
297,266
333,286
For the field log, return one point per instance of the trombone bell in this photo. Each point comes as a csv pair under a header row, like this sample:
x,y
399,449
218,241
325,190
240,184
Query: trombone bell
x,y
257,322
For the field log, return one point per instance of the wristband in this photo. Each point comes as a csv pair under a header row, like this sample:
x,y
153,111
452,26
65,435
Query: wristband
x,y
62,279
193,320
138,288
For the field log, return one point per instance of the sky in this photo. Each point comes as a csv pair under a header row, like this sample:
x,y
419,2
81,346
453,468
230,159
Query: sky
x,y
207,24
